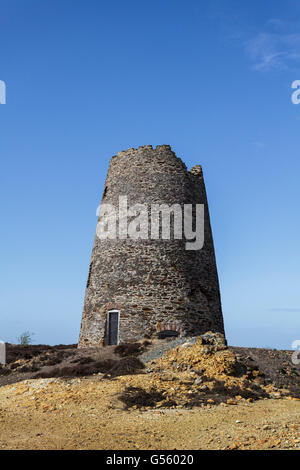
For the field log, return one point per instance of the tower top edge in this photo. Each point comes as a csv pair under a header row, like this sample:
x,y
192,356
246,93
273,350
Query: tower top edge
x,y
143,148
159,151
196,170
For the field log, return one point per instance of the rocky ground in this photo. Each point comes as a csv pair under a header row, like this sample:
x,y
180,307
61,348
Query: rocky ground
x,y
183,394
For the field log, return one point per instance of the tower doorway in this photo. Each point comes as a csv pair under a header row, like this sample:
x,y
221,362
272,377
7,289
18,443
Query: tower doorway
x,y
113,327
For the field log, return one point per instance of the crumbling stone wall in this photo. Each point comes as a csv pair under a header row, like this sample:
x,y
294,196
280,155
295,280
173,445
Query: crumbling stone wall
x,y
152,282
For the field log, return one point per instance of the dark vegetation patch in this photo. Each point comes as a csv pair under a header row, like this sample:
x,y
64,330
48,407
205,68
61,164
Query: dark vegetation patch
x,y
26,362
78,370
136,396
275,367
110,367
15,352
131,349
126,366
42,361
83,360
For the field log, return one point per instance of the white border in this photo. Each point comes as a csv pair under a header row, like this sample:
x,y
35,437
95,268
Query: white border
x,y
2,353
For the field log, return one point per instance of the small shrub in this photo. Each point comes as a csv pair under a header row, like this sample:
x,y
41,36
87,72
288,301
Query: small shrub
x,y
128,349
25,338
4,370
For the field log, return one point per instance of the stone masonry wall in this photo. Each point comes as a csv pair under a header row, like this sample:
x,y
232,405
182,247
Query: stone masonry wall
x,y
153,283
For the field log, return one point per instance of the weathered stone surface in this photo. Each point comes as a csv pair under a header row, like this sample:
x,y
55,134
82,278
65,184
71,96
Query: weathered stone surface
x,y
153,283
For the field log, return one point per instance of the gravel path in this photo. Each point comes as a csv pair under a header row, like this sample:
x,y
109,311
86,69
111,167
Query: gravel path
x,y
159,348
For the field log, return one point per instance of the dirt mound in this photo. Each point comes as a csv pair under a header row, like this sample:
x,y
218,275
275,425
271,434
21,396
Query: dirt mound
x,y
15,352
196,371
201,372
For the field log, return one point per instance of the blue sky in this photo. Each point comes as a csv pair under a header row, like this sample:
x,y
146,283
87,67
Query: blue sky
x,y
86,79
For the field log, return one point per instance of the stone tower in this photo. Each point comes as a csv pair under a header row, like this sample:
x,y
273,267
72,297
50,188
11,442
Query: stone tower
x,y
153,286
